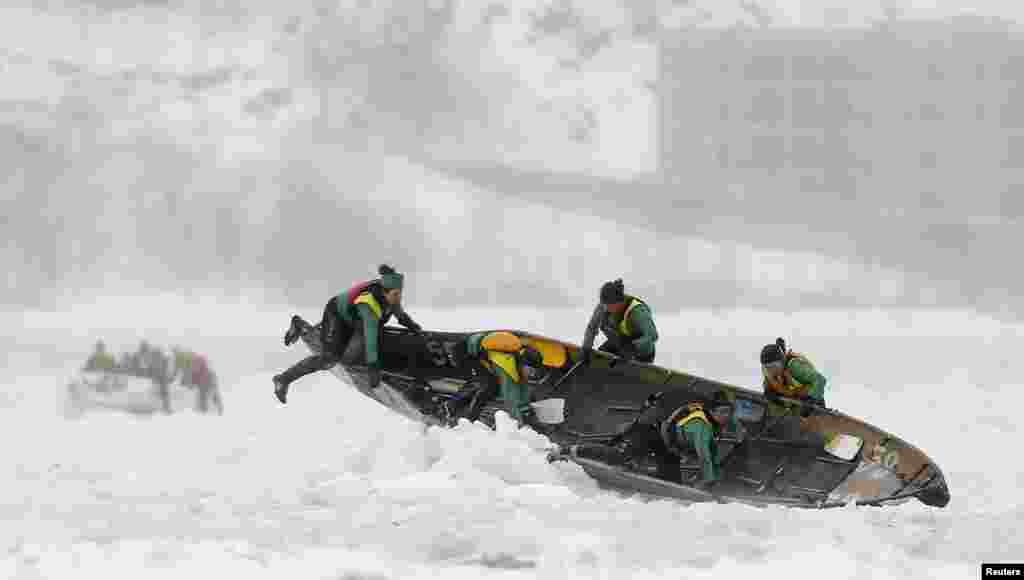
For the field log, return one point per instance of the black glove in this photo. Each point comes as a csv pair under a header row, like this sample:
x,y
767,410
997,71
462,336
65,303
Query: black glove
x,y
373,373
627,351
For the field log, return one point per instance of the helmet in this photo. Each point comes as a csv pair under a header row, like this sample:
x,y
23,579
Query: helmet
x,y
531,357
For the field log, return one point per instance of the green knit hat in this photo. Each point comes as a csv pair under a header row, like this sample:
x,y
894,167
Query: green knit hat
x,y
389,278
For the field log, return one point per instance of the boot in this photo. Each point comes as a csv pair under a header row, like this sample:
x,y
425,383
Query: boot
x,y
281,389
308,365
293,332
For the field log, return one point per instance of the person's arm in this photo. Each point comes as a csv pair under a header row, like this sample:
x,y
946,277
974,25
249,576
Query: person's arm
x,y
806,374
592,327
641,321
405,320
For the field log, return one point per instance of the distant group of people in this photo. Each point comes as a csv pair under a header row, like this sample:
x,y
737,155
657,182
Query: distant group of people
x,y
192,369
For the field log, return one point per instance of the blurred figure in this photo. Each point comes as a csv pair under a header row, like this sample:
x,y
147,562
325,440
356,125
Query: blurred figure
x,y
627,323
137,362
153,363
194,371
100,360
351,323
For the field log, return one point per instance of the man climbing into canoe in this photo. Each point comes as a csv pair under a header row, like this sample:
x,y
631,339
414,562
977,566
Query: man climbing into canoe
x,y
790,374
626,322
505,358
351,329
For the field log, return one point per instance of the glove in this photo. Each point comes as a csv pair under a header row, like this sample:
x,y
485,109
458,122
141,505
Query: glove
x,y
374,375
627,351
415,328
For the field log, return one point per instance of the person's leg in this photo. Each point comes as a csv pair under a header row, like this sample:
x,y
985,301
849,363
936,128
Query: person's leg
x,y
334,333
609,347
646,358
486,392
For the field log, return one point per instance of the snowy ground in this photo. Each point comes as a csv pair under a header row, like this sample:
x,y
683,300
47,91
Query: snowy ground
x,y
335,486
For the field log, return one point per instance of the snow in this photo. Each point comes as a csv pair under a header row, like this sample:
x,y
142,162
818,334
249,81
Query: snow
x,y
333,485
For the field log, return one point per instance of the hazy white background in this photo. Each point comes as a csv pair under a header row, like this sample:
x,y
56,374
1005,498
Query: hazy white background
x,y
193,173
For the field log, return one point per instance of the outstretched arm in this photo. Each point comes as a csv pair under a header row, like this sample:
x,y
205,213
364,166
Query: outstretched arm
x,y
592,326
405,320
642,322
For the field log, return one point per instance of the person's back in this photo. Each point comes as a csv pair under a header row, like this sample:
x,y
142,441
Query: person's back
x,y
504,357
204,380
200,371
694,428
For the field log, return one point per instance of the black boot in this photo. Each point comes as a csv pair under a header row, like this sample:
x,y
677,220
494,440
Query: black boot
x,y
308,365
280,389
293,332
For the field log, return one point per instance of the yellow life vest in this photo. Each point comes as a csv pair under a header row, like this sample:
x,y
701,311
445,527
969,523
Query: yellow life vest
x,y
506,361
624,323
501,341
501,348
368,299
792,388
696,412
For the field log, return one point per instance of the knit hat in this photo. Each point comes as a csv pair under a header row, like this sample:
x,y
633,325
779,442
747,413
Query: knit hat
x,y
773,352
389,278
613,292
